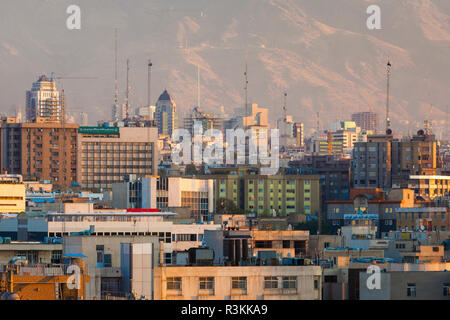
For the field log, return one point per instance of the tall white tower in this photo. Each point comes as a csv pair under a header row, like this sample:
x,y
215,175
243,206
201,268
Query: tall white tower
x,y
44,102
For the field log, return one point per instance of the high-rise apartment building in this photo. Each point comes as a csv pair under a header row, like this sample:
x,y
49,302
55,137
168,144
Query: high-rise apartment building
x,y
383,159
267,195
44,103
107,154
43,151
166,114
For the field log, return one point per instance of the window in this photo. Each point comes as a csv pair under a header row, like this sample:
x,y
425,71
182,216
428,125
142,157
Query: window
x,y
446,289
290,282
100,250
330,279
174,283
263,244
56,256
270,282
239,283
206,283
286,244
168,258
411,290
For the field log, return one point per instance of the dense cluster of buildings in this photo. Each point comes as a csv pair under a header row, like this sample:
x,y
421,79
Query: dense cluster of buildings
x,y
109,201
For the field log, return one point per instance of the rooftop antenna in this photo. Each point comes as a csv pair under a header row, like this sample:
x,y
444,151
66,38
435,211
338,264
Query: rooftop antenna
x,y
284,107
127,104
150,65
388,121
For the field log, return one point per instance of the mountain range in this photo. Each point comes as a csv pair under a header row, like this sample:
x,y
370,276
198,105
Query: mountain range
x,y
320,52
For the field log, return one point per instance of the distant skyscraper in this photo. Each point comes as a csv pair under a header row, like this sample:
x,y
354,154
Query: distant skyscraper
x,y
44,102
166,115
366,120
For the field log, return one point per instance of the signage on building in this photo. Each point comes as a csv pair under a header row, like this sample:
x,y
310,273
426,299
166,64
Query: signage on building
x,y
360,216
98,130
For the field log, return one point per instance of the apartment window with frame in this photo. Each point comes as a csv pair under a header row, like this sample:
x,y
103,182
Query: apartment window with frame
x,y
206,283
270,282
174,283
239,283
290,282
411,290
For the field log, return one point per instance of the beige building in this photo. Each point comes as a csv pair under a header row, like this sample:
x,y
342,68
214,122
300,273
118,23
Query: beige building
x,y
107,154
238,283
12,194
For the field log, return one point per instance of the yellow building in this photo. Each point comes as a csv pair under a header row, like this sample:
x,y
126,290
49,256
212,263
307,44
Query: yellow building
x,y
12,194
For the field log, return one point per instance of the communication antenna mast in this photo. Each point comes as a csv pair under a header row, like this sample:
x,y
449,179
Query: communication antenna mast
x,y
284,107
150,65
127,93
318,122
116,88
388,121
115,107
246,92
198,87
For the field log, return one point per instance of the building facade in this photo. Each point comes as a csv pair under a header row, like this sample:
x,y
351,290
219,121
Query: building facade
x,y
42,151
269,195
238,283
167,192
12,194
106,154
